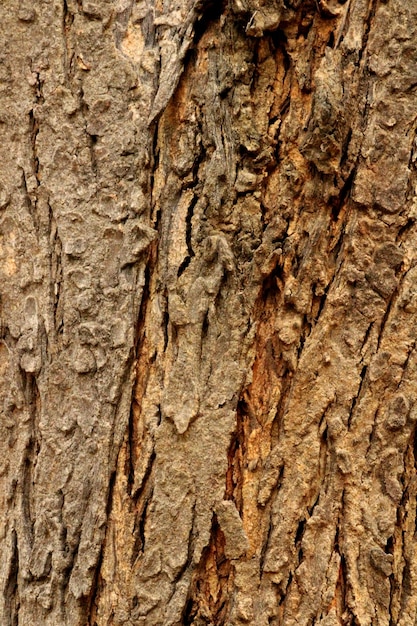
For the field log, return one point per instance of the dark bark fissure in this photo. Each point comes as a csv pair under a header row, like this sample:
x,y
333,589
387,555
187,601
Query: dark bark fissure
x,y
188,237
11,588
139,343
369,22
56,274
34,131
91,602
205,602
67,22
406,229
357,396
33,444
140,521
236,460
154,163
210,13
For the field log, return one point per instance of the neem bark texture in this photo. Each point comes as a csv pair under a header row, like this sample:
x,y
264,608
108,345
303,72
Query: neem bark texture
x,y
208,313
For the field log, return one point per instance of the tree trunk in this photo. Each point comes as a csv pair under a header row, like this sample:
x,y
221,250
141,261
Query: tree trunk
x,y
209,312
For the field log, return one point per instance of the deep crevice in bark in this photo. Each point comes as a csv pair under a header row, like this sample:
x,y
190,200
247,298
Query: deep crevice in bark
x,y
209,591
11,592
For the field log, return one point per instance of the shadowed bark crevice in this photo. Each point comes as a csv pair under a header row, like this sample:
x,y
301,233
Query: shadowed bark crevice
x,y
209,597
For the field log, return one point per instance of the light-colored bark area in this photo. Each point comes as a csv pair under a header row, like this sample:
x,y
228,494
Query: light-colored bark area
x,y
208,312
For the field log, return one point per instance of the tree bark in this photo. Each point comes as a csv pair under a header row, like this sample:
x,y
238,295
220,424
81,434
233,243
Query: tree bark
x,y
208,312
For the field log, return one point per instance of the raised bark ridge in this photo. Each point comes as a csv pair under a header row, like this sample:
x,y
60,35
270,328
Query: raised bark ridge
x,y
216,205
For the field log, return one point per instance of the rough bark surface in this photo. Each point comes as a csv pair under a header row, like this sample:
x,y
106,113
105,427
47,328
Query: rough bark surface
x,y
208,312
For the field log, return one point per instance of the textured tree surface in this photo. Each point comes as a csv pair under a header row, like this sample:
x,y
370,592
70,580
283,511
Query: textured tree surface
x,y
208,243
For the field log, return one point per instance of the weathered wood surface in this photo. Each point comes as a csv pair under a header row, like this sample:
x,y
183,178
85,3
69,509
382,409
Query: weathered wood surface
x,y
208,312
